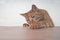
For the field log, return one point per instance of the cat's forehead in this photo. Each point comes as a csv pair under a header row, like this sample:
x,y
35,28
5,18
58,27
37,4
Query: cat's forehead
x,y
34,11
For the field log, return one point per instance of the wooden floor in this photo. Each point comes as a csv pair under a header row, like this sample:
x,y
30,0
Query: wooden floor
x,y
20,33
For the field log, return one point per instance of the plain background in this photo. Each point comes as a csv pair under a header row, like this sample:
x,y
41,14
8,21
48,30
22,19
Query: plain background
x,y
10,10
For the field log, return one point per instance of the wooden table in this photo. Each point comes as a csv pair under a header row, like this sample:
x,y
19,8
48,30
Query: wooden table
x,y
20,33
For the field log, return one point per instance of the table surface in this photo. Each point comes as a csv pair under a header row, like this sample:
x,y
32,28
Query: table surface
x,y
20,33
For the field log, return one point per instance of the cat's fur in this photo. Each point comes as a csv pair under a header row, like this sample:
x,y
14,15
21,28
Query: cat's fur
x,y
38,18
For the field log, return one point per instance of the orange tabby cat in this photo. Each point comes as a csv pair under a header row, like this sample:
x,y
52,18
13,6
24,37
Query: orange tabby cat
x,y
38,18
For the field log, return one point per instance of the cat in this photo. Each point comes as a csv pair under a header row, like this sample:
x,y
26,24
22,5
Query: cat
x,y
38,17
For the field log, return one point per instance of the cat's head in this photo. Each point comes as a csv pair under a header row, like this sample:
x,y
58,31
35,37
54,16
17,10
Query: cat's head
x,y
34,13
30,13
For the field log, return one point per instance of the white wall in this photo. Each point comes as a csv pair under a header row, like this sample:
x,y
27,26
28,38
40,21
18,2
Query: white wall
x,y
10,10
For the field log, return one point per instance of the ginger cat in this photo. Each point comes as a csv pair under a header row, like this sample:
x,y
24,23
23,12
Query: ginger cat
x,y
38,18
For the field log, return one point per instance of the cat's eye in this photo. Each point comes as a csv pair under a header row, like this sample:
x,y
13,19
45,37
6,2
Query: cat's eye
x,y
41,18
32,16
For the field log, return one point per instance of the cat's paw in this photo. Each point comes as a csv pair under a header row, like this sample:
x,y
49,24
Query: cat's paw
x,y
34,27
25,25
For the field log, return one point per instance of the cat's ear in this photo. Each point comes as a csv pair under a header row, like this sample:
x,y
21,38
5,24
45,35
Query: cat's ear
x,y
34,8
22,14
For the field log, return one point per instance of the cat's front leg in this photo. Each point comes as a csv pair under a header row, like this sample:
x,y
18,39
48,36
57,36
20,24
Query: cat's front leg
x,y
33,26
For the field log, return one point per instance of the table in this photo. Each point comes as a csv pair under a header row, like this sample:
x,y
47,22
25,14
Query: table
x,y
20,33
